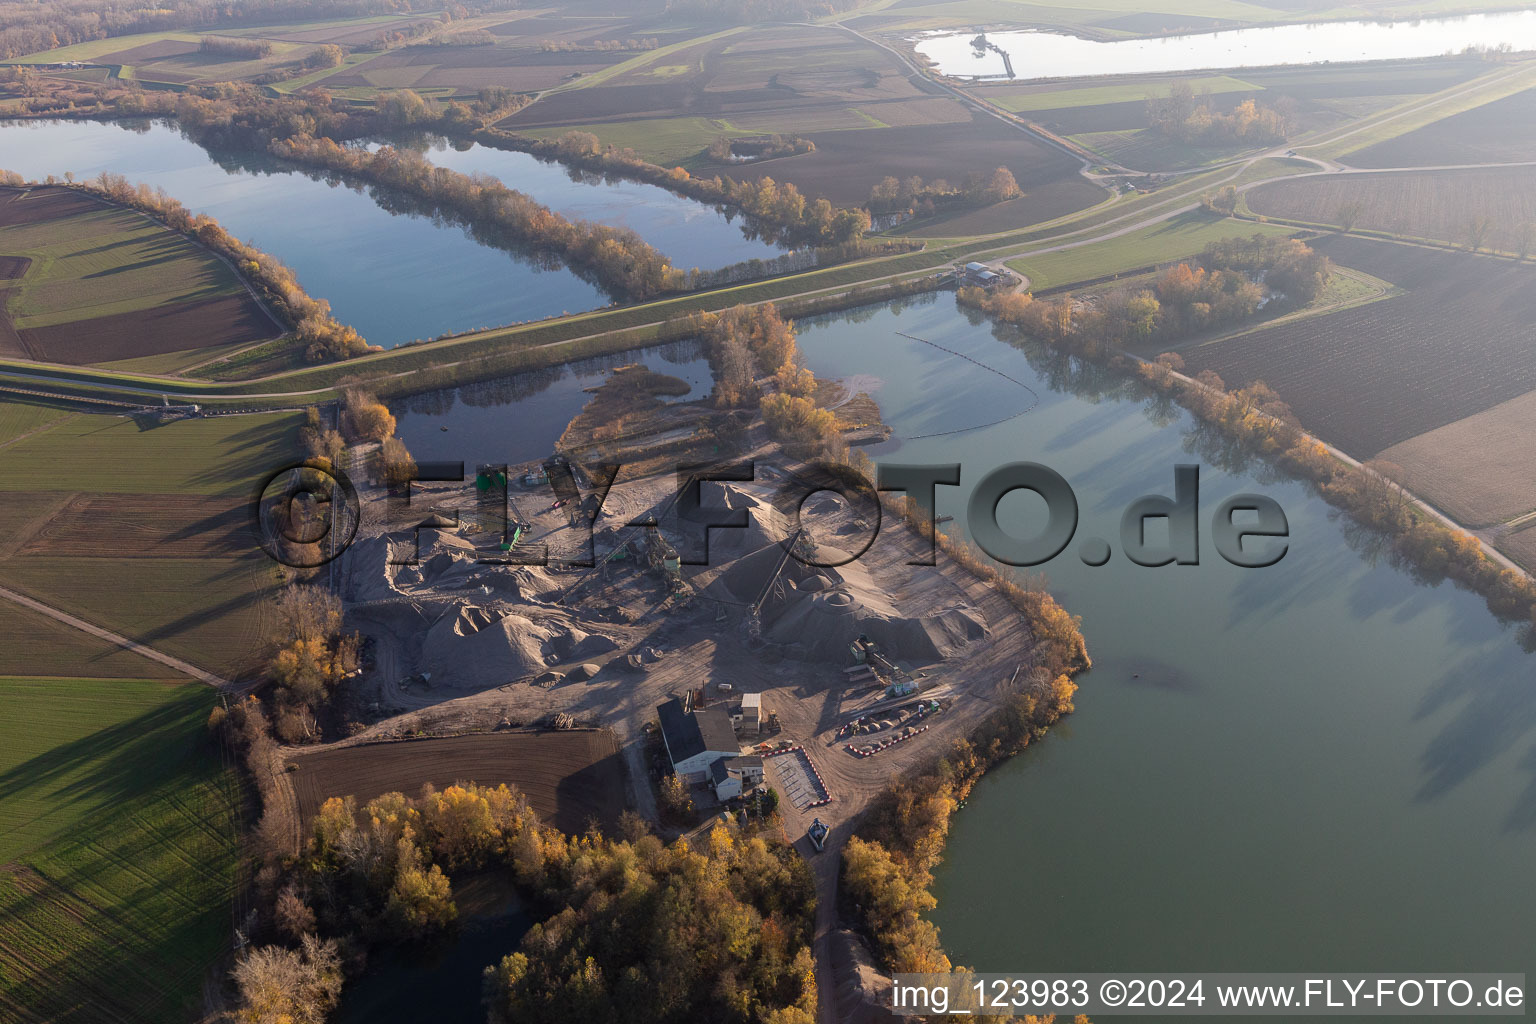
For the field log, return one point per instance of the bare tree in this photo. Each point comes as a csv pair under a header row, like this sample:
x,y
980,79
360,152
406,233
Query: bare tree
x,y
1348,214
1476,231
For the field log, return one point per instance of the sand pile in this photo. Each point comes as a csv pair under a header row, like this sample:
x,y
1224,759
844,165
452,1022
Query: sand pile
x,y
368,576
477,647
472,646
766,525
823,615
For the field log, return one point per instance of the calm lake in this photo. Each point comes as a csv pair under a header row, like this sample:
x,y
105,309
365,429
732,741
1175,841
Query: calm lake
x,y
518,419
1057,55
1322,765
395,277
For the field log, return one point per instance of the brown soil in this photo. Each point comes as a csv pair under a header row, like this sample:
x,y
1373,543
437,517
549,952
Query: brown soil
x,y
149,51
570,777
1477,470
144,526
846,165
1370,377
12,267
204,324
34,205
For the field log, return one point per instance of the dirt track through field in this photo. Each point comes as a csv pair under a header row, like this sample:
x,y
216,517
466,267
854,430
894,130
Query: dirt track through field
x,y
117,639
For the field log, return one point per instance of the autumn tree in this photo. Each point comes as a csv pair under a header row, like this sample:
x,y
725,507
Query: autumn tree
x,y
394,463
285,986
366,417
1000,187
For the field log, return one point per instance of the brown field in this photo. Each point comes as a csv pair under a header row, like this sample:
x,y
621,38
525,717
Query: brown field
x,y
470,68
1478,470
1373,376
570,778
1521,546
43,204
167,294
343,32
846,165
1437,205
209,323
144,526
158,50
1501,131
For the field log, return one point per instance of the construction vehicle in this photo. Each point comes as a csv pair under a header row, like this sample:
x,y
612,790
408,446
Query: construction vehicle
x,y
817,834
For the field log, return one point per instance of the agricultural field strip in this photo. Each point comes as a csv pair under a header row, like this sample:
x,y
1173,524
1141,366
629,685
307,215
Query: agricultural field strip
x,y
118,640
1386,124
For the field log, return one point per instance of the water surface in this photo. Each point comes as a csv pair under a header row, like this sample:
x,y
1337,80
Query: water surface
x,y
690,233
1057,55
517,419
1323,765
393,273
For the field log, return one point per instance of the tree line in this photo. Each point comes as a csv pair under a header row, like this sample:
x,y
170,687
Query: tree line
x,y
631,928
32,27
770,147
1255,420
912,196
1194,120
618,257
242,47
778,211
1226,285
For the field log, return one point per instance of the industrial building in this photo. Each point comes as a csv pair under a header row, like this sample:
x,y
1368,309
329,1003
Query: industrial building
x,y
696,740
749,719
733,776
983,276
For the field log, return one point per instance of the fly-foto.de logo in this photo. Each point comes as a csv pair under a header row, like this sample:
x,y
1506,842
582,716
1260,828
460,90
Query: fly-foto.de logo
x,y
307,514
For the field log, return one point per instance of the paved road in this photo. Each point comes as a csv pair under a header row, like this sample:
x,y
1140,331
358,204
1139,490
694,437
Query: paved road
x,y
118,640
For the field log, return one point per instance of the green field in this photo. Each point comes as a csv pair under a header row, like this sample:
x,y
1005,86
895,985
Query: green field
x,y
21,417
103,261
1174,239
216,455
202,598
1094,95
117,832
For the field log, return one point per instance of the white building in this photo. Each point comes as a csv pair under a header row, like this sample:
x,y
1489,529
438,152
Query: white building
x,y
696,741
734,775
749,719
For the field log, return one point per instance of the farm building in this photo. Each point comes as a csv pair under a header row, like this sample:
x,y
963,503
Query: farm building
x,y
731,776
696,741
749,719
983,275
